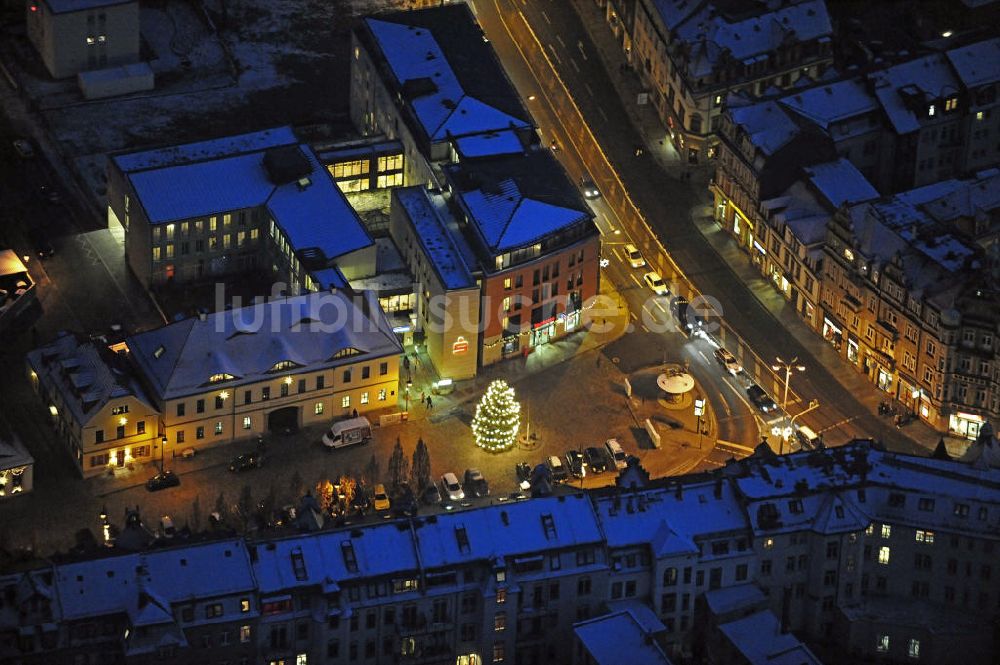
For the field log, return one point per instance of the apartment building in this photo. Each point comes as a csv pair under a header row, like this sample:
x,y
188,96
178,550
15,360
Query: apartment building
x,y
693,55
98,409
268,367
247,202
74,36
913,304
862,553
426,78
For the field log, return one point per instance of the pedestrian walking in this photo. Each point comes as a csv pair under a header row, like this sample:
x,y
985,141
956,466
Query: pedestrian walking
x,y
423,396
430,404
406,362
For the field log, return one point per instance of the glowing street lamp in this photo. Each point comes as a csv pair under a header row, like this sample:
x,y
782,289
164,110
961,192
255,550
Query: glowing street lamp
x,y
787,367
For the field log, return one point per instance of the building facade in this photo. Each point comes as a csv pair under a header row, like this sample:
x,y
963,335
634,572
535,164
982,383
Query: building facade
x,y
74,37
863,554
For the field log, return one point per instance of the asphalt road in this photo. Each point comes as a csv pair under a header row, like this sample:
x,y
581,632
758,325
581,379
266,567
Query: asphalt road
x,y
671,207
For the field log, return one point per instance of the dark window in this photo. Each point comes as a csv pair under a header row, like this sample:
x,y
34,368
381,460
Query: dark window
x,y
219,402
320,381
366,372
199,406
99,436
120,433
199,433
180,409
247,396
383,369
302,385
265,392
284,389
347,376
140,427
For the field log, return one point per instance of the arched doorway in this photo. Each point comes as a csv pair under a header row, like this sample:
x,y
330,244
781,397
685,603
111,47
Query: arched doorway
x,y
285,419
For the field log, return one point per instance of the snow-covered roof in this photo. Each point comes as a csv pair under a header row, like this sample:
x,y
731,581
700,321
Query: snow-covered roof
x,y
422,63
977,64
200,180
905,90
66,6
618,637
761,641
516,200
767,124
506,142
730,598
831,103
13,454
840,182
83,375
247,343
114,585
508,530
425,210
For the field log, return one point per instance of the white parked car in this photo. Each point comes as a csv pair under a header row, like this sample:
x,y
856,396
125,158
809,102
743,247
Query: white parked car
x,y
655,282
616,453
452,488
728,360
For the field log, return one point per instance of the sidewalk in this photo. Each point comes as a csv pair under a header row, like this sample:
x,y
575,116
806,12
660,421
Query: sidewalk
x,y
645,119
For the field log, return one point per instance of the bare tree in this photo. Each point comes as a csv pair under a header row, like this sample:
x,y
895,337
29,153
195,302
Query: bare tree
x,y
399,466
420,470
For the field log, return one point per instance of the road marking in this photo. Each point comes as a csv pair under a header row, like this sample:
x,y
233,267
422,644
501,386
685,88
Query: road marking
x,y
560,40
603,114
659,306
554,54
546,17
836,425
635,317
589,89
644,328
575,66
736,446
579,45
702,354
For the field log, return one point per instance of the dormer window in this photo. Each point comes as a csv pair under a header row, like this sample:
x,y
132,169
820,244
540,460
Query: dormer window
x,y
951,104
283,365
219,378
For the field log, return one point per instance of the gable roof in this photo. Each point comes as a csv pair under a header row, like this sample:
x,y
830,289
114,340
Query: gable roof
x,y
247,343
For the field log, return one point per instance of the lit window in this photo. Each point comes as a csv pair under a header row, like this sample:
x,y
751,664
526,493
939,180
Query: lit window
x,y
768,543
979,115
90,41
244,605
951,104
501,596
506,283
156,254
218,427
247,422
882,645
318,408
870,530
381,395
930,112
364,397
499,622
244,634
925,537
345,401
883,555
886,530
913,648
506,304
101,39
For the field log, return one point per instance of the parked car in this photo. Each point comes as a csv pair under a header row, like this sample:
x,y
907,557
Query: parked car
x,y
558,468
523,472
616,453
679,308
655,282
348,432
381,498
40,243
246,462
728,360
634,256
761,399
24,148
597,459
588,188
475,484
431,495
162,481
452,489
575,462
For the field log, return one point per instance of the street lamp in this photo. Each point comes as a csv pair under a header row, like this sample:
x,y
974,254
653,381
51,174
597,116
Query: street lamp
x,y
163,446
787,367
916,394
406,395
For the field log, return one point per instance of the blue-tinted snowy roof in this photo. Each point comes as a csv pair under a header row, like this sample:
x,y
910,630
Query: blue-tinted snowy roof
x,y
318,215
760,639
727,599
833,102
494,143
111,585
618,637
977,64
204,150
66,6
927,80
508,220
328,278
438,243
767,124
248,342
841,182
447,110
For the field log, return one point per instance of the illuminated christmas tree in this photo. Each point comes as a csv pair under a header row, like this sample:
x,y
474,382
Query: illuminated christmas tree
x,y
498,417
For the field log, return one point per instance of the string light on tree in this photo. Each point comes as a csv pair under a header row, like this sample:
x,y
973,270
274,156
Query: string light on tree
x,y
498,417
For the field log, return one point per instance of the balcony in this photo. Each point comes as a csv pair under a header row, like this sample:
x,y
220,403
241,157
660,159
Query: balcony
x,y
420,625
888,330
436,652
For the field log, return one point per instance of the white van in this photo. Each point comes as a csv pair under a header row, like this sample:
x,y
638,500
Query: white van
x,y
634,257
616,453
808,439
348,432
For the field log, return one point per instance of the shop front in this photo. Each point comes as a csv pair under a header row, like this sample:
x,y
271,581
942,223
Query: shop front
x,y
543,331
883,379
852,348
965,424
834,334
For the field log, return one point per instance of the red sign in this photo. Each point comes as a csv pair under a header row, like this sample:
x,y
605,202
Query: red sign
x,y
459,346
